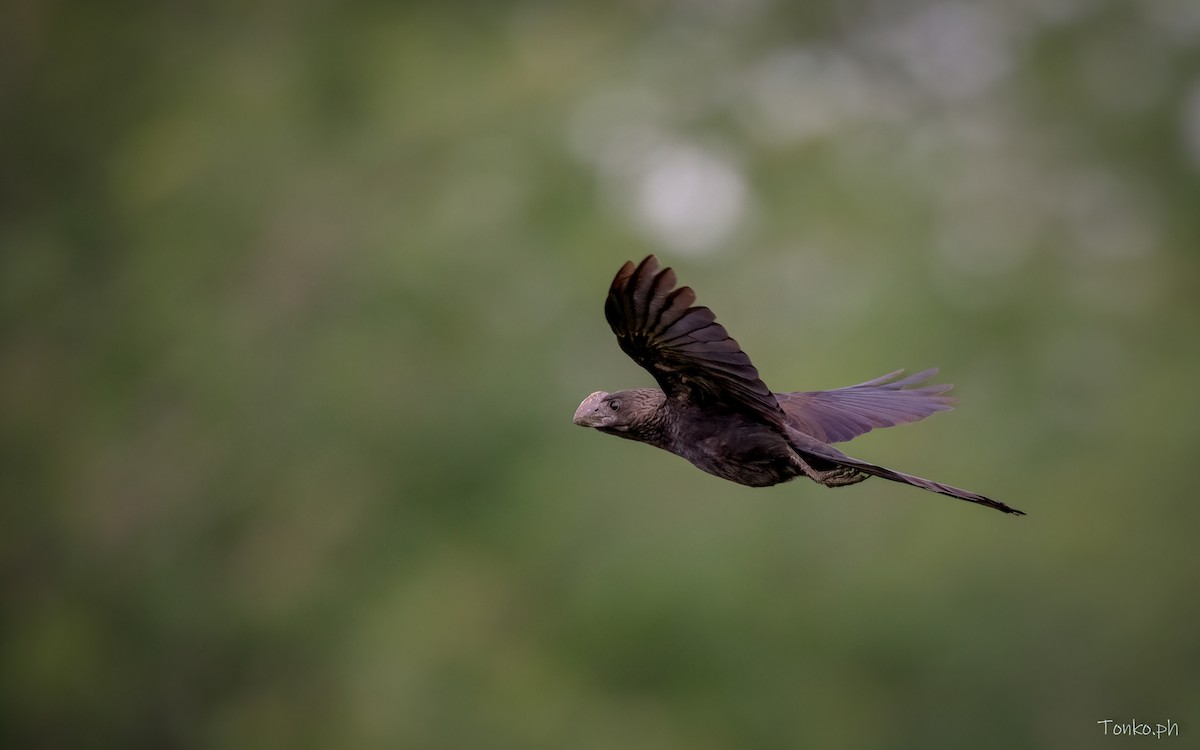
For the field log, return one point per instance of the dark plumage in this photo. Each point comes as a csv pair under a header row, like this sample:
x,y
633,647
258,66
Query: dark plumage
x,y
715,411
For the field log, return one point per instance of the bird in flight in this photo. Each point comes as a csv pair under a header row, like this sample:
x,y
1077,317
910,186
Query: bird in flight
x,y
713,409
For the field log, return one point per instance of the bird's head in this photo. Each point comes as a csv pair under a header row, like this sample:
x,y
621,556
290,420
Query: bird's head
x,y
618,412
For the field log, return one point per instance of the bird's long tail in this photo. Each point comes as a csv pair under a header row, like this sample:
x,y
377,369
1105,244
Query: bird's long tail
x,y
811,447
928,484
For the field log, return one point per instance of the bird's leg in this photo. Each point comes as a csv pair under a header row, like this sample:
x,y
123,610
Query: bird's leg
x,y
838,476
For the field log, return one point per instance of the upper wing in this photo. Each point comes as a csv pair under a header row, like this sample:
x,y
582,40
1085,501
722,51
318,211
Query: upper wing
x,y
690,355
838,415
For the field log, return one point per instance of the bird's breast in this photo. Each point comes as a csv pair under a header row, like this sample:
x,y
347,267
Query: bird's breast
x,y
736,449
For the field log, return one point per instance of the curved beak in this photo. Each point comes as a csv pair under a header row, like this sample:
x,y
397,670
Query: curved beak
x,y
585,414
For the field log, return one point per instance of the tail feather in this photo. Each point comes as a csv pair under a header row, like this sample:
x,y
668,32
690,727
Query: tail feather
x,y
928,484
809,447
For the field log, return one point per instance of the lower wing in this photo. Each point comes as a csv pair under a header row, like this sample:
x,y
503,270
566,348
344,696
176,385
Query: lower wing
x,y
844,413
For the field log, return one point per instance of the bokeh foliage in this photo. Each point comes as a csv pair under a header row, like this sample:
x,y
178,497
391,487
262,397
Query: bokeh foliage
x,y
297,301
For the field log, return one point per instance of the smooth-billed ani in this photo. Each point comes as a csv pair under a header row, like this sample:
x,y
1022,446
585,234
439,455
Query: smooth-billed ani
x,y
715,411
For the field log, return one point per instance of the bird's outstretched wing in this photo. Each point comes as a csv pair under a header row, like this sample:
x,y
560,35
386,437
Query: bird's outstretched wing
x,y
839,415
690,355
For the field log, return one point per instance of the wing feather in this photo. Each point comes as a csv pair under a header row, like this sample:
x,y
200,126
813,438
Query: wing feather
x,y
691,356
839,415
676,306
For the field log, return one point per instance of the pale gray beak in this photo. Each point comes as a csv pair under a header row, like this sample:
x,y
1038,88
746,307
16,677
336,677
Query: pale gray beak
x,y
584,414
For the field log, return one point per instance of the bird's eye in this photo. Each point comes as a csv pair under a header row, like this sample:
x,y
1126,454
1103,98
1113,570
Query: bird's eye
x,y
614,405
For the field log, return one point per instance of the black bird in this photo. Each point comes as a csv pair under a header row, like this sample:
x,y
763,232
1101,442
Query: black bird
x,y
715,411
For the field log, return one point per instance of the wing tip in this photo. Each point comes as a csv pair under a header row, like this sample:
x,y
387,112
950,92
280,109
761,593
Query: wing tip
x,y
648,266
623,274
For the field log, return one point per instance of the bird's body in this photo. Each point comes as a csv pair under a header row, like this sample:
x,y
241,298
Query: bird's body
x,y
714,410
737,448
728,444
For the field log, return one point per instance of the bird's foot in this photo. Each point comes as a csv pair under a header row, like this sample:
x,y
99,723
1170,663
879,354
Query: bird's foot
x,y
838,476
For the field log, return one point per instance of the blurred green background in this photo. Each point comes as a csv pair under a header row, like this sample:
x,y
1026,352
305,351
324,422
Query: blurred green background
x,y
298,300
